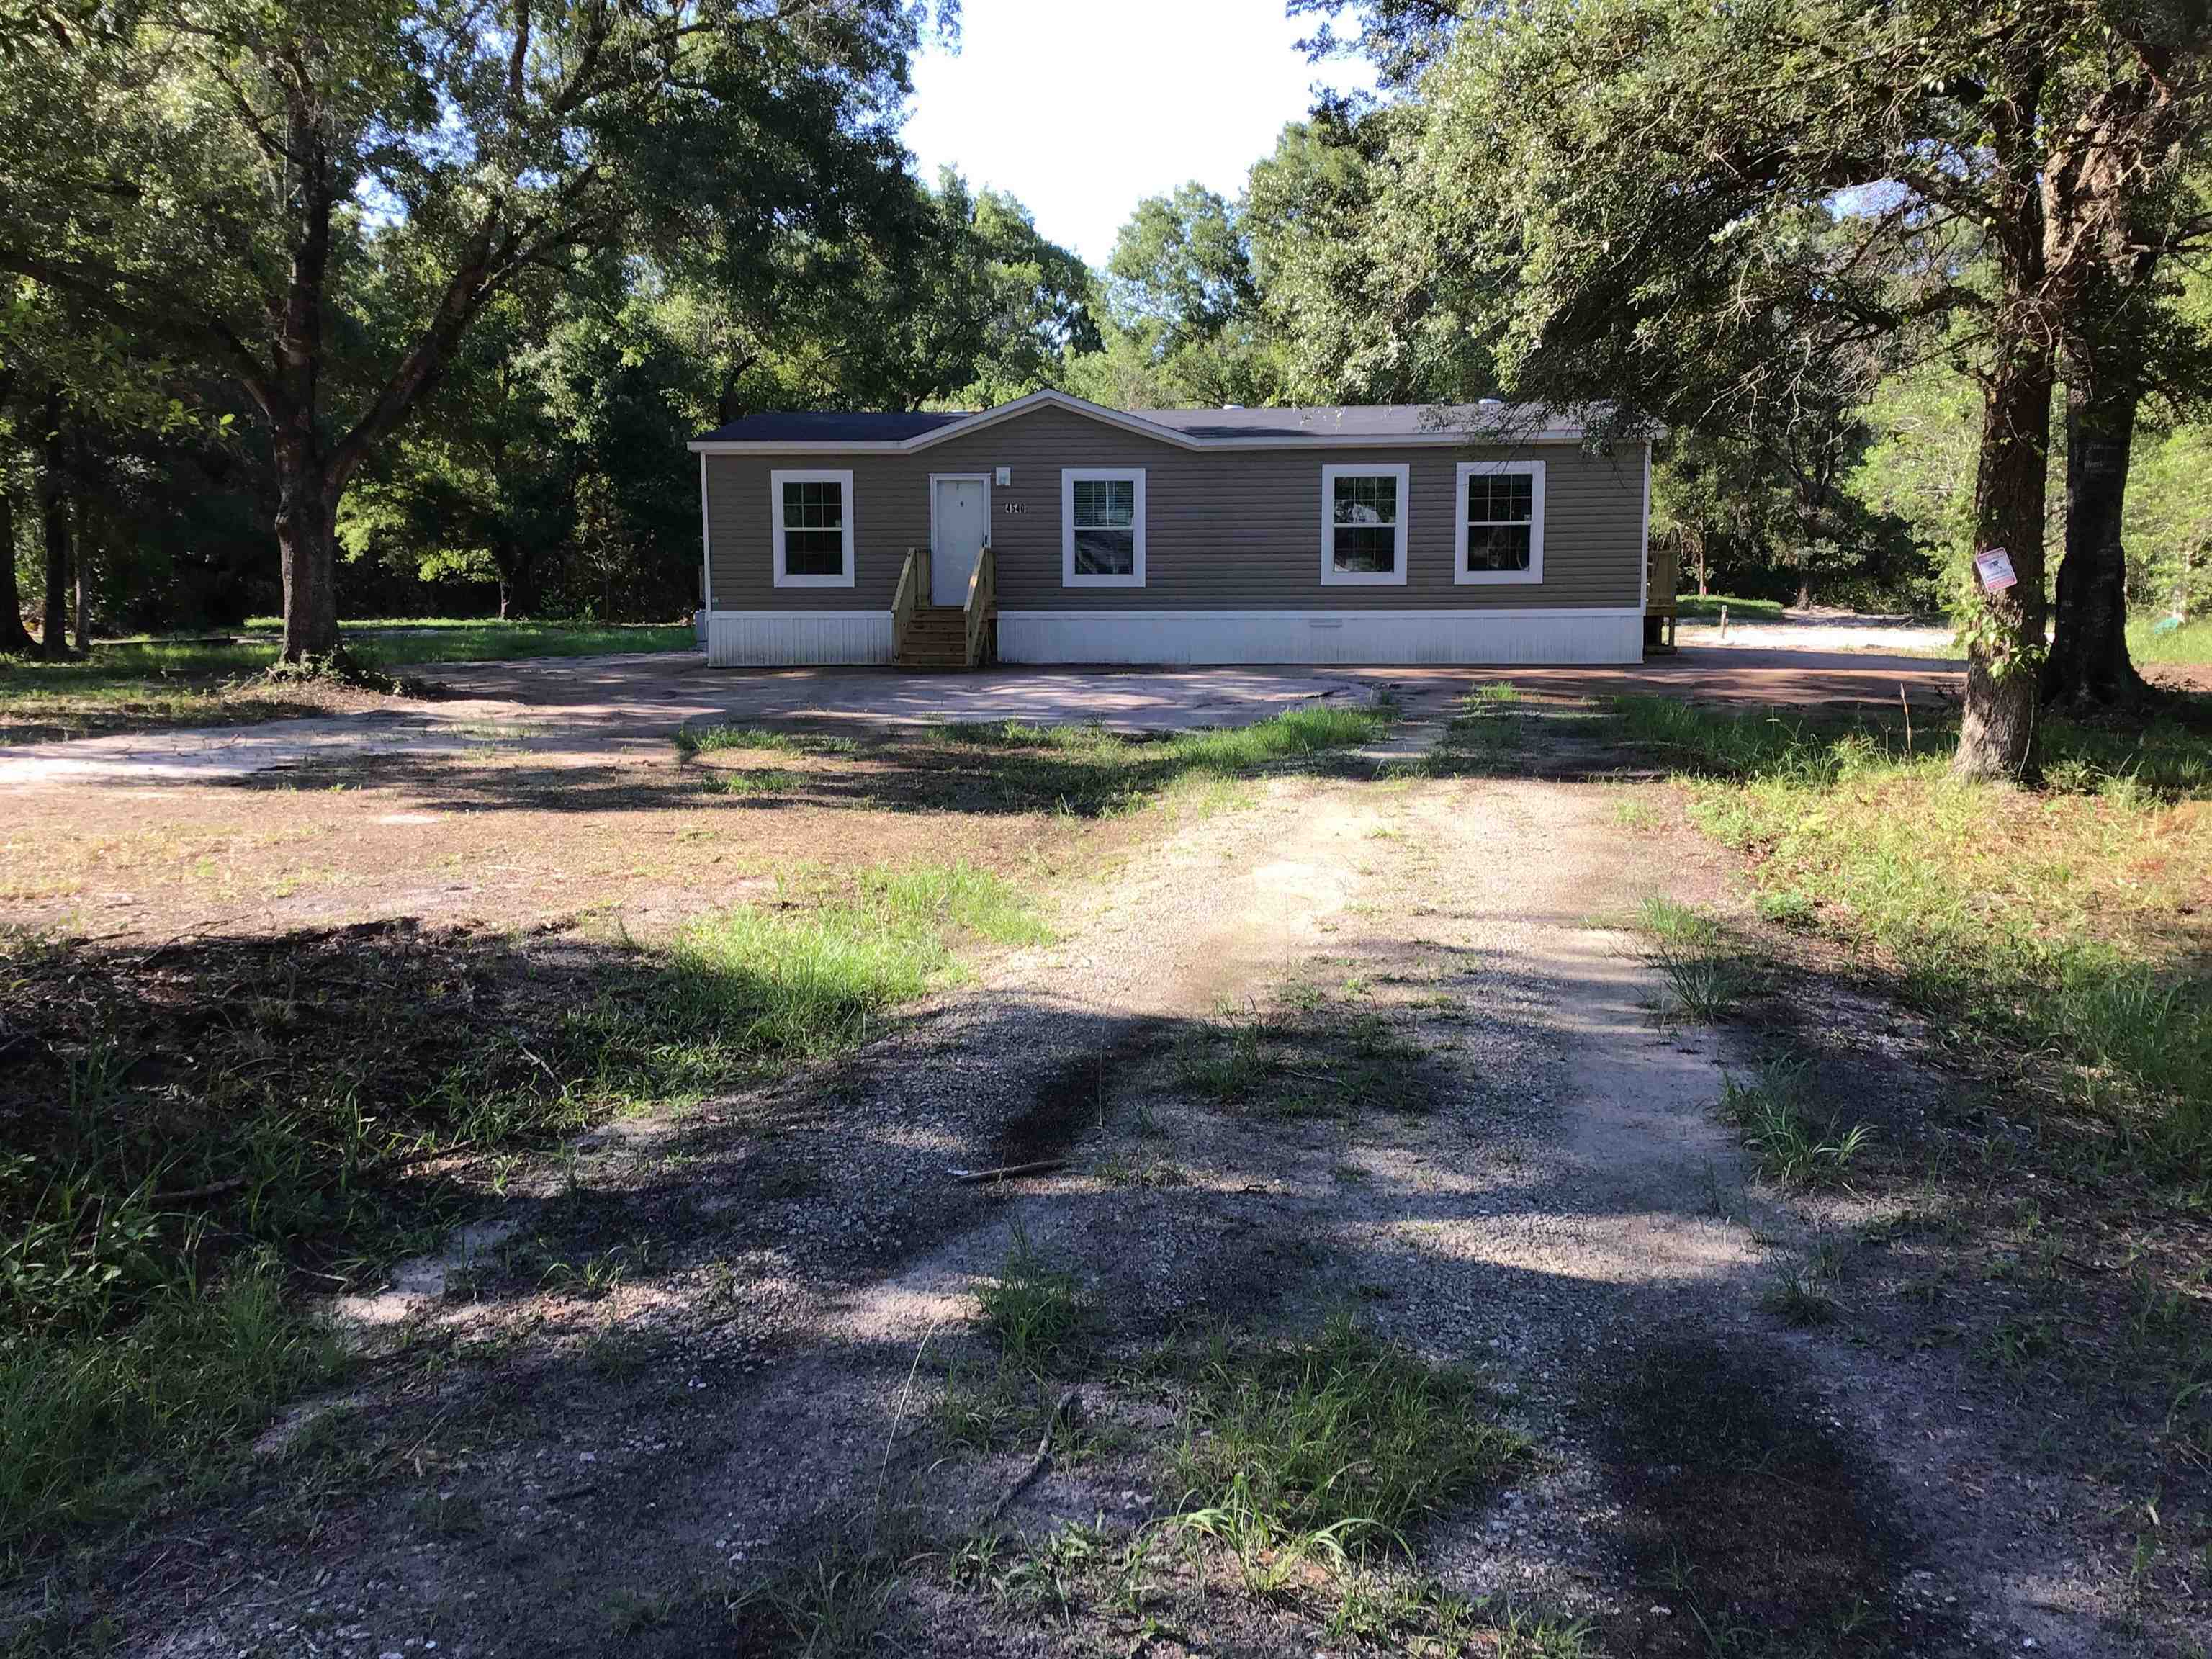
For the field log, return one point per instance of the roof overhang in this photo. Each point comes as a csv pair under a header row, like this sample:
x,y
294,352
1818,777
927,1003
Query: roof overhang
x,y
1441,438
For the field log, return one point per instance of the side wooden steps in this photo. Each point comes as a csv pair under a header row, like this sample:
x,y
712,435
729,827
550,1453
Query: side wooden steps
x,y
937,638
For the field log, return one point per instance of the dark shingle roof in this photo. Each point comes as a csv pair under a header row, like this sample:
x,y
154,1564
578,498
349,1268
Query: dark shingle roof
x,y
833,426
1320,422
1340,420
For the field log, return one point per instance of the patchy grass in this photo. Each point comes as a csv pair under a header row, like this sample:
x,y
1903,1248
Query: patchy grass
x,y
1709,606
1313,1057
204,1364
2068,922
169,1117
1091,772
1301,1474
832,1609
1330,1451
716,740
140,684
2191,642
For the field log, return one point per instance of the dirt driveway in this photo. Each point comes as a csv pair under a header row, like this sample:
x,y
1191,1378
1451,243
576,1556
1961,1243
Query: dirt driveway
x,y
593,710
1378,1045
588,711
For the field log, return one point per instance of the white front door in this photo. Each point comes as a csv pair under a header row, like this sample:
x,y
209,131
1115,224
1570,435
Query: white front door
x,y
959,521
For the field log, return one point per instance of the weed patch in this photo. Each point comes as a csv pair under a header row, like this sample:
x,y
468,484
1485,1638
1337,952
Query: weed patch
x,y
1331,1451
1773,1114
1312,1057
1089,772
168,1117
140,684
1707,974
2066,923
1031,1308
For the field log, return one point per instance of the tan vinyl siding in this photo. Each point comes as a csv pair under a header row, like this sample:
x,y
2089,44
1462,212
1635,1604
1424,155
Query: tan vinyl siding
x,y
1226,529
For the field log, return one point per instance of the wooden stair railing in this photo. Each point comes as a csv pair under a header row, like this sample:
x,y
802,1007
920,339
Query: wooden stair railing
x,y
982,604
912,592
1663,575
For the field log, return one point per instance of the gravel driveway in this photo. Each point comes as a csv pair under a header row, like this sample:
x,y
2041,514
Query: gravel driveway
x,y
588,710
1534,1184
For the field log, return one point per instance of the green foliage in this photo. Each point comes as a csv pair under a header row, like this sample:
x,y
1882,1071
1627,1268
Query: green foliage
x,y
1710,607
1706,972
146,682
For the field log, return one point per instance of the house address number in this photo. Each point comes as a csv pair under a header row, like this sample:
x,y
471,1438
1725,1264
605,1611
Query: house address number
x,y
1012,507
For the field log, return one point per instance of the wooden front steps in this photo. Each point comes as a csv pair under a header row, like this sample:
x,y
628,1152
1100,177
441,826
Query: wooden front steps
x,y
936,637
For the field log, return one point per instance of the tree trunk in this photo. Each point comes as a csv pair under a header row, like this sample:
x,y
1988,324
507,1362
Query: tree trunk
x,y
2089,660
307,546
54,509
15,638
1996,734
85,542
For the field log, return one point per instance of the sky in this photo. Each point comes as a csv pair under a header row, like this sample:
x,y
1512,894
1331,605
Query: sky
x,y
1081,110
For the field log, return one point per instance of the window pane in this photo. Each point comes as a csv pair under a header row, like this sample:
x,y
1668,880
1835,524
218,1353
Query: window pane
x,y
1497,547
1361,547
1105,502
1367,501
1500,498
1104,552
814,506
814,552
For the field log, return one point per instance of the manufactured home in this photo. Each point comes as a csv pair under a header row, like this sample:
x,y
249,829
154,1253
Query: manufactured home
x,y
1050,529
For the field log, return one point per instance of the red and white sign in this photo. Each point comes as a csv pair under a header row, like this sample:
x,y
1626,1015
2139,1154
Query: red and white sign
x,y
1994,568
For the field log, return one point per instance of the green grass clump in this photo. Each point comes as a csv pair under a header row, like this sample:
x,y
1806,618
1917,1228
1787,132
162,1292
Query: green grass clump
x,y
1330,1451
2048,923
1706,973
1772,1115
155,682
783,986
1090,771
716,740
762,780
1032,1308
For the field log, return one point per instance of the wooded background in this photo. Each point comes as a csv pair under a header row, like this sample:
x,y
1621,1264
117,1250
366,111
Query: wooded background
x,y
410,307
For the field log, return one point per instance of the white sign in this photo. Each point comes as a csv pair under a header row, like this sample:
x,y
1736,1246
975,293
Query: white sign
x,y
1994,568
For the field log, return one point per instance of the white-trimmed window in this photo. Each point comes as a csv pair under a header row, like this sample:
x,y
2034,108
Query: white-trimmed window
x,y
1499,536
811,516
1102,527
1364,511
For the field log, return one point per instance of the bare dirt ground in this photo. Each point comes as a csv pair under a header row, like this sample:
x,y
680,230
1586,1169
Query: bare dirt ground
x,y
1380,1042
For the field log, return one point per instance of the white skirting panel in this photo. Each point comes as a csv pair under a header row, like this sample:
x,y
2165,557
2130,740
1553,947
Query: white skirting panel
x,y
783,639
1517,635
